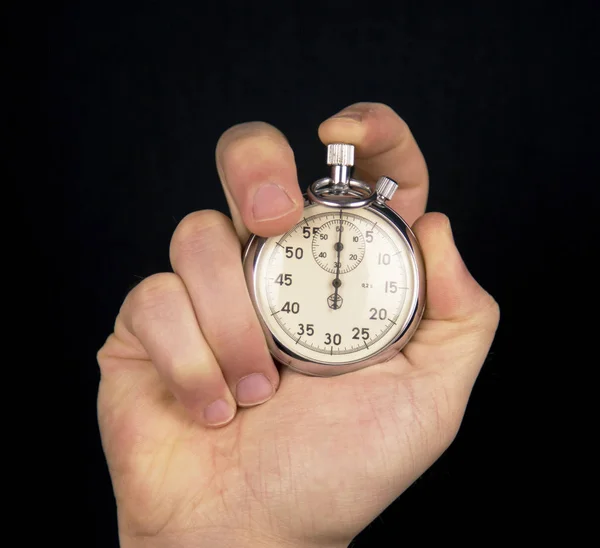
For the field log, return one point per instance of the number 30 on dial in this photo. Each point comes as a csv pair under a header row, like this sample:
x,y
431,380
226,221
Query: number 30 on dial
x,y
342,289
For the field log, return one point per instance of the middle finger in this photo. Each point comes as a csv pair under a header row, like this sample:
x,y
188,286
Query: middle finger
x,y
205,252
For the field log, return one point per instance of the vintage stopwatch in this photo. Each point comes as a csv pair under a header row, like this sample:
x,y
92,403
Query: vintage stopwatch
x,y
345,287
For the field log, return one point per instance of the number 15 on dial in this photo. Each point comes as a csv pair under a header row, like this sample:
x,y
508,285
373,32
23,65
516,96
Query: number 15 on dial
x,y
345,287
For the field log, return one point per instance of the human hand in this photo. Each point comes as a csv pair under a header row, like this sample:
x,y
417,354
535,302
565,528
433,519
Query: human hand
x,y
197,459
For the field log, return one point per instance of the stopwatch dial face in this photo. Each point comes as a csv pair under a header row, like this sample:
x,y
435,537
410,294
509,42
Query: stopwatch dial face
x,y
338,287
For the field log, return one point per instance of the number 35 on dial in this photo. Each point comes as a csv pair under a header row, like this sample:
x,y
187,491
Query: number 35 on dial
x,y
343,288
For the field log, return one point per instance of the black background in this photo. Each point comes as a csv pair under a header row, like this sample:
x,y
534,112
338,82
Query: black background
x,y
500,97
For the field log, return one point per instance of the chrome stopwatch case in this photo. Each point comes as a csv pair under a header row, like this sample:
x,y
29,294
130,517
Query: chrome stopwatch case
x,y
345,287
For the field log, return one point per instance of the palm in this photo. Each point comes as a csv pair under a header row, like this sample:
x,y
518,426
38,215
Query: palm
x,y
284,458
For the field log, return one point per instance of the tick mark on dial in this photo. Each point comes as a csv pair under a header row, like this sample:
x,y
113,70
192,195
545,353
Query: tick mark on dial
x,y
338,247
279,245
392,321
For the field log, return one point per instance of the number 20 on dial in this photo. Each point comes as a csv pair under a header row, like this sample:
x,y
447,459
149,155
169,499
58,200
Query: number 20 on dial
x,y
345,287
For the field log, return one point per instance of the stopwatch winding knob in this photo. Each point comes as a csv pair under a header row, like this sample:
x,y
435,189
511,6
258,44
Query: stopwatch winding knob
x,y
340,154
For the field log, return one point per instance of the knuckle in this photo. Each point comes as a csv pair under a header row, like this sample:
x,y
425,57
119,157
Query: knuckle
x,y
242,329
185,376
492,311
199,221
368,106
251,143
253,149
382,110
200,231
488,316
150,296
438,220
105,356
154,288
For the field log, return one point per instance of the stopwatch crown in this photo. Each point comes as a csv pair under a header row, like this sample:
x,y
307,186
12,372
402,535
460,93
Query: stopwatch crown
x,y
340,154
385,188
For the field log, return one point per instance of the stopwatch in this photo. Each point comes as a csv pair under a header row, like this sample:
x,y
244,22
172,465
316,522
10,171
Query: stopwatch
x,y
344,288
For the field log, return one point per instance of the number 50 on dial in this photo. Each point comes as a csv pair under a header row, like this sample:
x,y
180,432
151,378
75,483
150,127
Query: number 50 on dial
x,y
343,289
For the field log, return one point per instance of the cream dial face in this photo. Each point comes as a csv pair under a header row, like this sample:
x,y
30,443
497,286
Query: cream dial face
x,y
338,287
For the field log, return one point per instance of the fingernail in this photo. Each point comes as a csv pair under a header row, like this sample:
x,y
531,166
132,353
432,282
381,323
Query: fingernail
x,y
271,202
349,114
218,412
253,389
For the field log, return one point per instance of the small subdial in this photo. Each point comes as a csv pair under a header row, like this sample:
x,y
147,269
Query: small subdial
x,y
338,241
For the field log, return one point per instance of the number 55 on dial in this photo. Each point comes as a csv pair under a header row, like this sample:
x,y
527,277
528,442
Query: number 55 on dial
x,y
341,290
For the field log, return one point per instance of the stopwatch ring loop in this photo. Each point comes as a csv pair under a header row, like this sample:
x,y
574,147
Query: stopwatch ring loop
x,y
356,194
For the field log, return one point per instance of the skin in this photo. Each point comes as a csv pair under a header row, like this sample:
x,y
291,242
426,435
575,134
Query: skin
x,y
294,460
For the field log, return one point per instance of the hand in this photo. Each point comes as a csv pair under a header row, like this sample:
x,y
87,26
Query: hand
x,y
196,457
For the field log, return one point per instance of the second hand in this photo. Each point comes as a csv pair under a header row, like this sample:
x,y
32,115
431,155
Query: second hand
x,y
337,282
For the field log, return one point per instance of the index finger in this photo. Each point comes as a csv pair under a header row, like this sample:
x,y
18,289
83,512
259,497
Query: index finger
x,y
257,168
384,146
258,173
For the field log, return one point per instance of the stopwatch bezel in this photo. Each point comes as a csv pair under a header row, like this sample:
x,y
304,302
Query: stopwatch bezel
x,y
286,356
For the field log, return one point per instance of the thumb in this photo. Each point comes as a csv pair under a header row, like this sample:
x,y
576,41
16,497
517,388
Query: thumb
x,y
452,293
460,319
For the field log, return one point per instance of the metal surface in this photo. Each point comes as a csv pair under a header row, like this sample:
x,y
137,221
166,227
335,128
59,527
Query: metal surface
x,y
286,356
342,191
358,194
385,189
340,154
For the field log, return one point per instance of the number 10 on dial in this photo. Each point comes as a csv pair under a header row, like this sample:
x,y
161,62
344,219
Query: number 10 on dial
x,y
345,287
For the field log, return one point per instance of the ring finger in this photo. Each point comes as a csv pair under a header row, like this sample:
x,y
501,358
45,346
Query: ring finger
x,y
159,314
